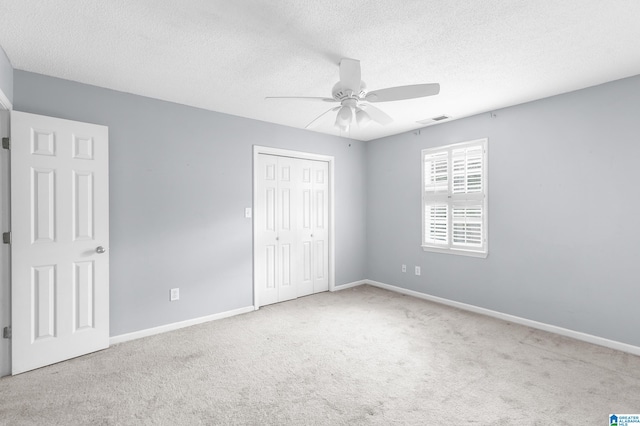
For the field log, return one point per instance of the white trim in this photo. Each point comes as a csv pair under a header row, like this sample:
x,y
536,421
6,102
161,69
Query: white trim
x,y
601,341
5,250
257,150
349,285
177,325
458,252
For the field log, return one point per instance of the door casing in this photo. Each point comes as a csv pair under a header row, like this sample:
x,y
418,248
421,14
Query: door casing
x,y
257,150
5,249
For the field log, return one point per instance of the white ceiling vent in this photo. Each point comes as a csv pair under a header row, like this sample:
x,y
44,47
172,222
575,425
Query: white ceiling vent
x,y
434,119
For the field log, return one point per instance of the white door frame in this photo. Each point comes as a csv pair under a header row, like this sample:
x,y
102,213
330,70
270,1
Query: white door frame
x,y
257,150
5,249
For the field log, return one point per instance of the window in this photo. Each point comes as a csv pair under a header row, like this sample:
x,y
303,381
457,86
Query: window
x,y
454,199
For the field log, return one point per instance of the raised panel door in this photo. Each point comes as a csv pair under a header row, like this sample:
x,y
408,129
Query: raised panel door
x,y
60,216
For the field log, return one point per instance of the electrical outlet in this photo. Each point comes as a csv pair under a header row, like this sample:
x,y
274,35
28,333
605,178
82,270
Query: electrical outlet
x,y
175,294
404,268
417,270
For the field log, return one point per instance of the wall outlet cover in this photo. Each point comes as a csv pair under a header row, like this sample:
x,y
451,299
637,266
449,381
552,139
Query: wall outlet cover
x,y
175,294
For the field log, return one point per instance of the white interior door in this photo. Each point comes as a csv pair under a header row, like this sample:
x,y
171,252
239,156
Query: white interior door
x,y
313,193
277,240
305,272
292,223
60,233
320,226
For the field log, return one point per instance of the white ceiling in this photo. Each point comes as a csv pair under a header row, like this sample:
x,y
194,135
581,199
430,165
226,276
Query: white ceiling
x,y
227,55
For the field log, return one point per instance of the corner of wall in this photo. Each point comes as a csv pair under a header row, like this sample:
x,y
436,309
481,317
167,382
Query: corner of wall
x,y
6,81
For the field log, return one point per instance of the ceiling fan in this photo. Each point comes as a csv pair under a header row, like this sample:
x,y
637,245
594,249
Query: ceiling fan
x,y
351,93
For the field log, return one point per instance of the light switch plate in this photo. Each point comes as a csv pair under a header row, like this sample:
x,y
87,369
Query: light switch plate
x,y
247,212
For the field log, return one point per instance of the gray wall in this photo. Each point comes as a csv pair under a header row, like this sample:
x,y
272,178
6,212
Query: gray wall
x,y
180,178
6,75
563,240
564,204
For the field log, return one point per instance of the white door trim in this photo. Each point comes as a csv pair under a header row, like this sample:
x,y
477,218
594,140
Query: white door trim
x,y
5,259
5,249
257,150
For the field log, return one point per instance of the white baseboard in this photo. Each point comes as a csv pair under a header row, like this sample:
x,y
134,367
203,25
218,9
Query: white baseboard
x,y
624,347
177,325
349,285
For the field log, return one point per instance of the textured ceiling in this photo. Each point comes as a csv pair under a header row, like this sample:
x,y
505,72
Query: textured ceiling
x,y
228,55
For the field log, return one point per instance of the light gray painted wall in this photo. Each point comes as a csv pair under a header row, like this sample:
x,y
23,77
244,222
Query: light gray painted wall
x,y
180,178
564,239
6,75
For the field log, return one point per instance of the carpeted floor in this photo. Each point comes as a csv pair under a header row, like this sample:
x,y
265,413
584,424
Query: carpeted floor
x,y
356,357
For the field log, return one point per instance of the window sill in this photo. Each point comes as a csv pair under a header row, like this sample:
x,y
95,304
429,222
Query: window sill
x,y
457,252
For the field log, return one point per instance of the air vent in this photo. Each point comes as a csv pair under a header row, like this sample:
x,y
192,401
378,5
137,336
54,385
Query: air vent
x,y
434,119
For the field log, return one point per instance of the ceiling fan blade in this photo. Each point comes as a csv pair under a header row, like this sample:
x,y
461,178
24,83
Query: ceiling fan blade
x,y
376,114
350,77
304,98
316,120
403,92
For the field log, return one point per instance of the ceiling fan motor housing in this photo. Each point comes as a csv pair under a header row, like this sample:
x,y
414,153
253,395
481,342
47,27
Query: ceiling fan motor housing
x,y
340,94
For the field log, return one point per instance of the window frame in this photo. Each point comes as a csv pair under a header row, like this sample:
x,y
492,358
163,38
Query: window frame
x,y
452,200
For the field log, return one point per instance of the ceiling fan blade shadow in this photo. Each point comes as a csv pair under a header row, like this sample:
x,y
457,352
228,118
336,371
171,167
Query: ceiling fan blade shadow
x,y
304,98
401,93
377,114
350,75
316,121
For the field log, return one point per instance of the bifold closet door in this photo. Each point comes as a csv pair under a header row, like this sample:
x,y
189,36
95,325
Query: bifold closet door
x,y
291,256
314,232
276,237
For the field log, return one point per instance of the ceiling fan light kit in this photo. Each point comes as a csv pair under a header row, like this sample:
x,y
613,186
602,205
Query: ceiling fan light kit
x,y
343,119
362,118
354,100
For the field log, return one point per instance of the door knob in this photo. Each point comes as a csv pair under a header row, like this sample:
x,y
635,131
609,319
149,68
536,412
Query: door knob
x,y
100,250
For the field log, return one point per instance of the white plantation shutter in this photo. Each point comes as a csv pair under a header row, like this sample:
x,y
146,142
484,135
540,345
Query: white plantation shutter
x,y
467,226
436,224
436,172
467,170
455,199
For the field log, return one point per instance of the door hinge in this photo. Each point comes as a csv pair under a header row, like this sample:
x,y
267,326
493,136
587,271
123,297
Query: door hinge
x,y
6,143
6,333
6,237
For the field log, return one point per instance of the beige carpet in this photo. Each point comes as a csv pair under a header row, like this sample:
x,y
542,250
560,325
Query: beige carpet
x,y
355,357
